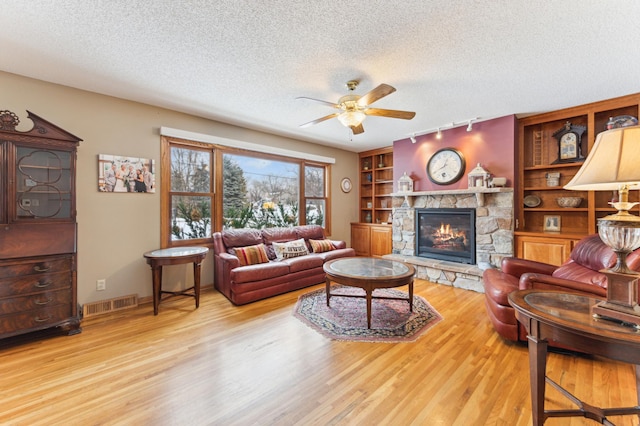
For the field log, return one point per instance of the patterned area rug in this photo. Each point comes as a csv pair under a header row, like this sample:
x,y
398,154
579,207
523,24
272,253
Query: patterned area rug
x,y
346,318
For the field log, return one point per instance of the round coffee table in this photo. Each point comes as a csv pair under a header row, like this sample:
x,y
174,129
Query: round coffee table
x,y
369,273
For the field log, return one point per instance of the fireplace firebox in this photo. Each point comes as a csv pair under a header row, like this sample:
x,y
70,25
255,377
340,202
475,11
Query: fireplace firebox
x,y
446,234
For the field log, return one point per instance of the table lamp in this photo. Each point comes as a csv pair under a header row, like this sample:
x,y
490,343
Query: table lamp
x,y
614,164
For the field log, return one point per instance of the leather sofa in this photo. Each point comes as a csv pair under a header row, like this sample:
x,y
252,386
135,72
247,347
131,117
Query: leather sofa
x,y
243,284
579,274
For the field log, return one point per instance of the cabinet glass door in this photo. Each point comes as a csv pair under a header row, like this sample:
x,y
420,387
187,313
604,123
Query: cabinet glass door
x,y
43,183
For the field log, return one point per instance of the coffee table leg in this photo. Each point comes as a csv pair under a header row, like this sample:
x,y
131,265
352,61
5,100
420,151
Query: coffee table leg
x,y
369,298
411,296
328,289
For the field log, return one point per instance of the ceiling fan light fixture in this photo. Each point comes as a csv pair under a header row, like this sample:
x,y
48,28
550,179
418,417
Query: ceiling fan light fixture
x,y
351,118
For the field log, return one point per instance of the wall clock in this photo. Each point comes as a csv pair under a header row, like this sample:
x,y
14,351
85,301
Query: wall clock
x,y
345,185
569,143
446,166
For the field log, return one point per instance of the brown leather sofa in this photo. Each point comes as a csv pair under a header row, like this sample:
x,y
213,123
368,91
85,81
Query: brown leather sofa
x,y
578,274
245,284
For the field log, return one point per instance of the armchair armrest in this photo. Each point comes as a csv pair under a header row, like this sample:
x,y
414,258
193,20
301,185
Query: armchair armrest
x,y
516,266
547,282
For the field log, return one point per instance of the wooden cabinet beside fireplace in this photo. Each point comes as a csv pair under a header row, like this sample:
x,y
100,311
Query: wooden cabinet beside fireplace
x,y
38,286
536,190
370,239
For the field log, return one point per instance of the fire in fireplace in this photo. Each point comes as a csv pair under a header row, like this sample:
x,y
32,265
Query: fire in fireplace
x,y
446,234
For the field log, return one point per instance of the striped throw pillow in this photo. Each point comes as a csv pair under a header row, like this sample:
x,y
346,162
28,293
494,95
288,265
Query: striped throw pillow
x,y
252,255
320,246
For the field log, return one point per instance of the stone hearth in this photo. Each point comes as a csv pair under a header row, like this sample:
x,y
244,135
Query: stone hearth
x,y
494,233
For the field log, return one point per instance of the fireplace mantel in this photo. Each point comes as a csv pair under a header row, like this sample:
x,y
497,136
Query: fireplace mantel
x,y
479,192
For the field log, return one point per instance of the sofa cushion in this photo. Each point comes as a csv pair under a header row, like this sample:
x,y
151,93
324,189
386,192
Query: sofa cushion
x,y
251,255
320,246
303,263
259,272
240,238
290,249
310,232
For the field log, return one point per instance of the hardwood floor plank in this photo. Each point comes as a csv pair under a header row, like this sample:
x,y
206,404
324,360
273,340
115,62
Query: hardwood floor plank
x,y
258,364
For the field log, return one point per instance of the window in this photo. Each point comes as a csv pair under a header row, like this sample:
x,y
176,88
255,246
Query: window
x,y
315,195
260,192
246,189
187,209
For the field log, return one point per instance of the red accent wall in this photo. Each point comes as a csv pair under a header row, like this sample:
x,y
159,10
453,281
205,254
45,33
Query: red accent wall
x,y
491,143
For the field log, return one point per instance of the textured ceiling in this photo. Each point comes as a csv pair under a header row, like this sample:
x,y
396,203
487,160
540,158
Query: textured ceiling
x,y
245,62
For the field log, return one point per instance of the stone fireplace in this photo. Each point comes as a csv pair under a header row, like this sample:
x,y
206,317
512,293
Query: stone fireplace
x,y
494,225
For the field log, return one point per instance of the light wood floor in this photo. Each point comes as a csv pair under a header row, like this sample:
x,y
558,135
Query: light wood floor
x,y
258,365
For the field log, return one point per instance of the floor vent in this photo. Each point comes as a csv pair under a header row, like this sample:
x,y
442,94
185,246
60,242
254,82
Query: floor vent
x,y
105,306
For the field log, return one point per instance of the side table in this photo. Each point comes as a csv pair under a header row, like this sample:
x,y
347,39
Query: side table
x,y
175,256
566,318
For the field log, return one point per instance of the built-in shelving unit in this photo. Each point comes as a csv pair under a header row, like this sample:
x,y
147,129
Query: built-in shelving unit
x,y
538,157
372,234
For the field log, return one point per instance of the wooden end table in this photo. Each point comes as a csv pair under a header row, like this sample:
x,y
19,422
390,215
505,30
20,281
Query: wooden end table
x,y
175,256
566,318
369,273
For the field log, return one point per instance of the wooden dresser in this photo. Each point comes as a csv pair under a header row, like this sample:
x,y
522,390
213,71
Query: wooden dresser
x,y
38,283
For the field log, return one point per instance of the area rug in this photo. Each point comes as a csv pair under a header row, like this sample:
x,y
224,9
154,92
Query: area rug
x,y
346,318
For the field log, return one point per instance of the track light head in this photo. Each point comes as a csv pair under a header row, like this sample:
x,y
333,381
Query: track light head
x,y
413,138
470,126
439,134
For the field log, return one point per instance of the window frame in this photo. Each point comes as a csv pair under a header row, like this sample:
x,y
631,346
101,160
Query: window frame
x,y
217,184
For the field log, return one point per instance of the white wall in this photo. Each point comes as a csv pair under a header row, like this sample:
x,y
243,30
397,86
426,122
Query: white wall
x,y
115,229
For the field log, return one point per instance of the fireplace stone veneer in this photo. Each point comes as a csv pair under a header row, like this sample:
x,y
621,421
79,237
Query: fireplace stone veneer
x,y
494,233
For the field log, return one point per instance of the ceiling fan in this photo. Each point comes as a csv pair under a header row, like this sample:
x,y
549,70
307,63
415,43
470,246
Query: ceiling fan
x,y
355,107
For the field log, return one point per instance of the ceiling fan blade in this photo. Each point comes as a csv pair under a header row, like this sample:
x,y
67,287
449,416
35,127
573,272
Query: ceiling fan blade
x,y
331,104
320,120
357,129
379,92
405,115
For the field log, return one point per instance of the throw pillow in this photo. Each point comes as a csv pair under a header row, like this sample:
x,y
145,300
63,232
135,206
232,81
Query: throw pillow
x,y
252,255
320,246
290,249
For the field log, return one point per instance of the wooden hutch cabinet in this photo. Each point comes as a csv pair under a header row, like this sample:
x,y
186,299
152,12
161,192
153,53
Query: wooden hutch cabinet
x,y
37,227
371,236
542,173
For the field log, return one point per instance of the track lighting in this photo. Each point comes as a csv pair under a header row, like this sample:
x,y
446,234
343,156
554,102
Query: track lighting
x,y
447,126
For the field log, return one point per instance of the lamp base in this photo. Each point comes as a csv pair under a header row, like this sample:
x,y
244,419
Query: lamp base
x,y
622,296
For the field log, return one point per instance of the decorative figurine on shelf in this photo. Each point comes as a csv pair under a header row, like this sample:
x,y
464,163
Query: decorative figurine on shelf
x,y
381,163
367,217
405,183
479,177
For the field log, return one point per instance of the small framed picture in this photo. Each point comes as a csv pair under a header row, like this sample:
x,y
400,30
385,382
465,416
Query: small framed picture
x,y
551,223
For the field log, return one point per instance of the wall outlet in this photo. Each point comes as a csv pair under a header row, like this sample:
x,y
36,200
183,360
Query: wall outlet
x,y
101,285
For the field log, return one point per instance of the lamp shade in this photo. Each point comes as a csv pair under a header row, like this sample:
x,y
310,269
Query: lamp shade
x,y
613,161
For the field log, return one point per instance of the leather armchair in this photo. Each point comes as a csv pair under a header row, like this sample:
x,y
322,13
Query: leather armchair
x,y
579,274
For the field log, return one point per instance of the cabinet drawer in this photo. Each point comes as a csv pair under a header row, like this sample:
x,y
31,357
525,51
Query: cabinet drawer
x,y
35,319
35,266
42,300
34,284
